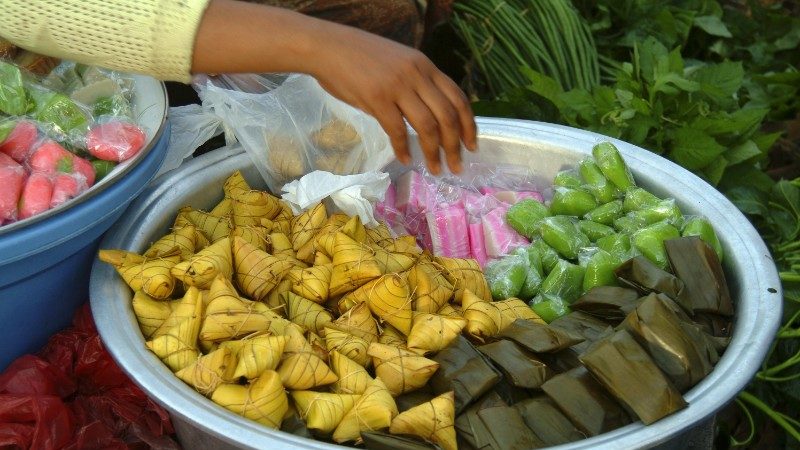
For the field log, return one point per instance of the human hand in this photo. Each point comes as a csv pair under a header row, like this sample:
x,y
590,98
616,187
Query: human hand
x,y
391,82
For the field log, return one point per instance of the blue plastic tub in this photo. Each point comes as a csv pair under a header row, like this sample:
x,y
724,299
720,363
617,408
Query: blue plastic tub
x,y
45,261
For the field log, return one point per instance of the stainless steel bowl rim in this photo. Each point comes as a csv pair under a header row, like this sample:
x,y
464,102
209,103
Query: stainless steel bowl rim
x,y
756,321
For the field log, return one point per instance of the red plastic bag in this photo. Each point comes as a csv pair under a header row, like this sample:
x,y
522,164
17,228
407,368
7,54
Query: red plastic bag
x,y
73,396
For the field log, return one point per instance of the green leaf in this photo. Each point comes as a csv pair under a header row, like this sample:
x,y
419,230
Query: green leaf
x,y
648,54
714,171
746,175
543,85
740,123
766,141
742,152
720,81
748,199
712,25
788,195
693,148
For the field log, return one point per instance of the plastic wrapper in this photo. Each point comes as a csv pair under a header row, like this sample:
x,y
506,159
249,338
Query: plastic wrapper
x,y
571,202
569,178
308,129
534,274
596,183
600,266
549,307
619,245
547,255
73,396
506,276
447,221
650,241
607,213
563,235
637,198
611,164
564,281
525,215
594,230
499,238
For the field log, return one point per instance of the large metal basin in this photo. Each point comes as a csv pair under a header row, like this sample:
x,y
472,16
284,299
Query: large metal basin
x,y
546,149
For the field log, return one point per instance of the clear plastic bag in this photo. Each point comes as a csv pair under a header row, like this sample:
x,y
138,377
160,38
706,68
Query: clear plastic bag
x,y
290,126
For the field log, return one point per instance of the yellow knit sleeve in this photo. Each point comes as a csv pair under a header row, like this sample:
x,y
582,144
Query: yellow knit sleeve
x,y
153,37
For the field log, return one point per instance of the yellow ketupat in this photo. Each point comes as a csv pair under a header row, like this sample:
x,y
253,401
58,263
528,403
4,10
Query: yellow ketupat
x,y
150,313
323,411
281,245
222,209
358,320
430,289
257,272
450,311
487,319
183,309
392,262
184,238
229,316
234,184
349,345
306,225
263,400
401,370
374,410
432,332
214,228
256,235
355,230
389,298
275,298
464,274
353,265
301,367
255,355
391,336
209,371
380,235
312,283
433,421
151,276
353,377
249,207
205,265
177,347
306,313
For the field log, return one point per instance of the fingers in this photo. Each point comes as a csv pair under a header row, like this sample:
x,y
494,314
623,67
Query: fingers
x,y
391,120
462,107
424,122
448,121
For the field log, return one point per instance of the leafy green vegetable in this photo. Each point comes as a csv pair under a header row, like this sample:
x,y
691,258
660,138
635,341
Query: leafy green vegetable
x,y
13,100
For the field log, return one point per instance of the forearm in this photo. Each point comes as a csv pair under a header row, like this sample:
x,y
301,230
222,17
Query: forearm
x,y
239,37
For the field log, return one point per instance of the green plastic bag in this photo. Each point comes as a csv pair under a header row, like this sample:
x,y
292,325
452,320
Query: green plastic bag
x,y
524,217
565,281
600,266
13,99
534,275
562,233
506,276
546,254
571,202
650,241
594,230
603,190
549,307
606,214
610,162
